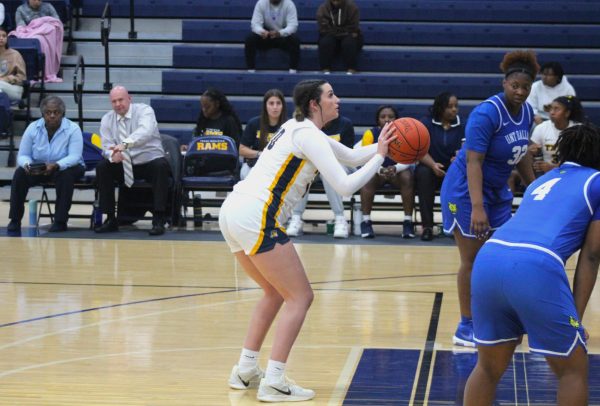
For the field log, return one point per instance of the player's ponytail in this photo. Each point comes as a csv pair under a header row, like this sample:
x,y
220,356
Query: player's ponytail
x,y
304,92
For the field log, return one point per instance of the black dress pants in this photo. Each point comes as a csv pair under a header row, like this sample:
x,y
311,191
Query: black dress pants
x,y
155,172
426,183
290,44
64,184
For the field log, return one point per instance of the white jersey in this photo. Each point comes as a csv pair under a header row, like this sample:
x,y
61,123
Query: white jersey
x,y
292,159
546,135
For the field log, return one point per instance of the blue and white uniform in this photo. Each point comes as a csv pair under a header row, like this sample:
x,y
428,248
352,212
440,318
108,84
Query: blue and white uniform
x,y
251,217
519,284
503,138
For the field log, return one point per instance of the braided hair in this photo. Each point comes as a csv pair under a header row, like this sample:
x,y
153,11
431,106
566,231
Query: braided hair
x,y
304,92
224,107
579,144
439,105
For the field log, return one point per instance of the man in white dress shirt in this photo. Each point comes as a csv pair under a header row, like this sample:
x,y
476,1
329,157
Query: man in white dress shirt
x,y
133,149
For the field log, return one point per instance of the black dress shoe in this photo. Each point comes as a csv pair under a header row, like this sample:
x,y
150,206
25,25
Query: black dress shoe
x,y
57,227
109,226
157,229
427,234
13,226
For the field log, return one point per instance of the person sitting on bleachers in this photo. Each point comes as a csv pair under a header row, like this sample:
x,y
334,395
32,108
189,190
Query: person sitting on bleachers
x,y
132,149
554,84
446,132
565,112
12,69
36,19
338,22
274,25
217,116
50,151
342,130
260,129
398,175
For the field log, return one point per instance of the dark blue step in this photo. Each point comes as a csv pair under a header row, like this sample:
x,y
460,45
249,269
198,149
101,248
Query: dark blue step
x,y
376,59
361,85
431,34
379,10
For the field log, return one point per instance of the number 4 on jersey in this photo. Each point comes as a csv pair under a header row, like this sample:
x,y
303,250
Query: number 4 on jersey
x,y
542,190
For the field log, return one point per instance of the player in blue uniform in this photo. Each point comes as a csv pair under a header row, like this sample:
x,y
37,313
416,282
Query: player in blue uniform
x,y
475,198
519,283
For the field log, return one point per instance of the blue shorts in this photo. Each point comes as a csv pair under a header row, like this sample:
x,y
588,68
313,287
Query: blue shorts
x,y
456,204
516,291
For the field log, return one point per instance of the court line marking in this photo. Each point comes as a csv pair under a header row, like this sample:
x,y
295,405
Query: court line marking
x,y
343,382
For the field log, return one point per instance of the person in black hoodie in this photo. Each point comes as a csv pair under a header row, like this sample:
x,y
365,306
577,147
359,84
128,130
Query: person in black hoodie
x,y
339,30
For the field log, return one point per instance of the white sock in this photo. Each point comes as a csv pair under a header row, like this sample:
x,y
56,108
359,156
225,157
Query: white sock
x,y
248,360
366,217
407,217
275,371
340,218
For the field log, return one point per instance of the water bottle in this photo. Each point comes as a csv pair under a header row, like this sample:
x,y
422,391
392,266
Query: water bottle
x,y
197,203
33,212
97,214
357,218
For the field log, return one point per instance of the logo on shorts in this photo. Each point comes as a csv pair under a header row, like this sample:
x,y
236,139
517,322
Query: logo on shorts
x,y
452,208
573,322
274,234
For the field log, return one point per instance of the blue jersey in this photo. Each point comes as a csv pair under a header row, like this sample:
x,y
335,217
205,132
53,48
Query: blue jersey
x,y
555,211
493,131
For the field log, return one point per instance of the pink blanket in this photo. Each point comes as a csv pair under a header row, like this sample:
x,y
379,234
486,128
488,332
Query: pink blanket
x,y
49,31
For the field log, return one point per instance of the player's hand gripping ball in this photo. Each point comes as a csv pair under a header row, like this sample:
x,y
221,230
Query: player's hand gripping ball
x,y
411,143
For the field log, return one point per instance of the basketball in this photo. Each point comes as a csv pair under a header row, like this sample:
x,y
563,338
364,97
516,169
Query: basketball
x,y
411,143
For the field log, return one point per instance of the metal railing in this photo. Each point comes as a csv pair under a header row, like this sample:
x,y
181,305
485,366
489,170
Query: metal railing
x,y
105,24
78,83
132,32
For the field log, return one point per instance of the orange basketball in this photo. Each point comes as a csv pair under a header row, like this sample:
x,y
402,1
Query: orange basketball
x,y
411,143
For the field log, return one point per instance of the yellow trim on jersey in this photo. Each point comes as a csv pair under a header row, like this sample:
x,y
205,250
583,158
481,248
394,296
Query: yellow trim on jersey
x,y
368,138
266,206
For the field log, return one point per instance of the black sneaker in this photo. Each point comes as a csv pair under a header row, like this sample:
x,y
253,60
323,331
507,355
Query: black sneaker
x,y
427,234
109,226
366,229
57,227
157,229
13,226
408,229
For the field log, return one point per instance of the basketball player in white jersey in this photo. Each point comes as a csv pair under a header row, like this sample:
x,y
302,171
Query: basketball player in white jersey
x,y
251,221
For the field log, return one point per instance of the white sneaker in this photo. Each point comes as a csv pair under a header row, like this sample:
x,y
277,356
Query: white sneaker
x,y
295,228
246,380
340,228
284,391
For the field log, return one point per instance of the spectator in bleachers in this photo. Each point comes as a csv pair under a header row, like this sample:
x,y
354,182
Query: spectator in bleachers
x,y
132,149
342,130
36,19
554,84
12,69
565,112
217,116
50,151
338,24
474,196
398,175
274,25
446,133
260,129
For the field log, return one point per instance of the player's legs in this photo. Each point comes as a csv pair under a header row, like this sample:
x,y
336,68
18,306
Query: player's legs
x,y
492,361
266,309
572,373
282,268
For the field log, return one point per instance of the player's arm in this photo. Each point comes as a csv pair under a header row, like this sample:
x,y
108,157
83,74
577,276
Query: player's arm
x,y
587,268
479,221
525,169
352,157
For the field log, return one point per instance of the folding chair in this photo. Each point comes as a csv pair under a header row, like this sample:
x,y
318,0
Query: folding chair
x,y
92,154
135,201
211,163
